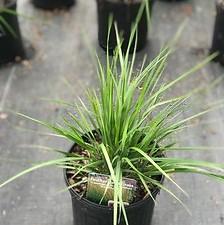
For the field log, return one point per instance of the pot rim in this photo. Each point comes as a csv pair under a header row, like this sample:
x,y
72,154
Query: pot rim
x,y
95,205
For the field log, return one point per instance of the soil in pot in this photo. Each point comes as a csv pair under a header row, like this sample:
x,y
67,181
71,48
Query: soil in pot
x,y
86,212
11,45
218,36
124,13
53,4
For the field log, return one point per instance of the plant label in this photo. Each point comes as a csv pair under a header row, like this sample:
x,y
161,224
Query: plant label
x,y
100,189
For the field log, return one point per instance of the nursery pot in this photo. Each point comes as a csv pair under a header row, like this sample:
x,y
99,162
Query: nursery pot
x,y
125,15
53,4
86,212
218,36
11,44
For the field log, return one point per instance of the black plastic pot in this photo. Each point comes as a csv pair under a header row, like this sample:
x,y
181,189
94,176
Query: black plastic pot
x,y
53,4
218,36
125,15
11,45
86,212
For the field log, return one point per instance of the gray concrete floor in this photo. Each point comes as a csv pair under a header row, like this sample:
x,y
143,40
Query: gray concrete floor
x,y
61,55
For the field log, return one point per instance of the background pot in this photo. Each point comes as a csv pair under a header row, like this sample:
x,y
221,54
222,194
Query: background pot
x,y
53,4
11,45
218,36
89,213
125,15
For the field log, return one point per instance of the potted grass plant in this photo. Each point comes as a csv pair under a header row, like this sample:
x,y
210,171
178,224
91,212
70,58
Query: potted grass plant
x,y
53,4
125,13
11,44
120,139
218,35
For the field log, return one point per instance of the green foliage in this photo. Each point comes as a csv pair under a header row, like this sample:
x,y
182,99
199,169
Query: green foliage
x,y
4,24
